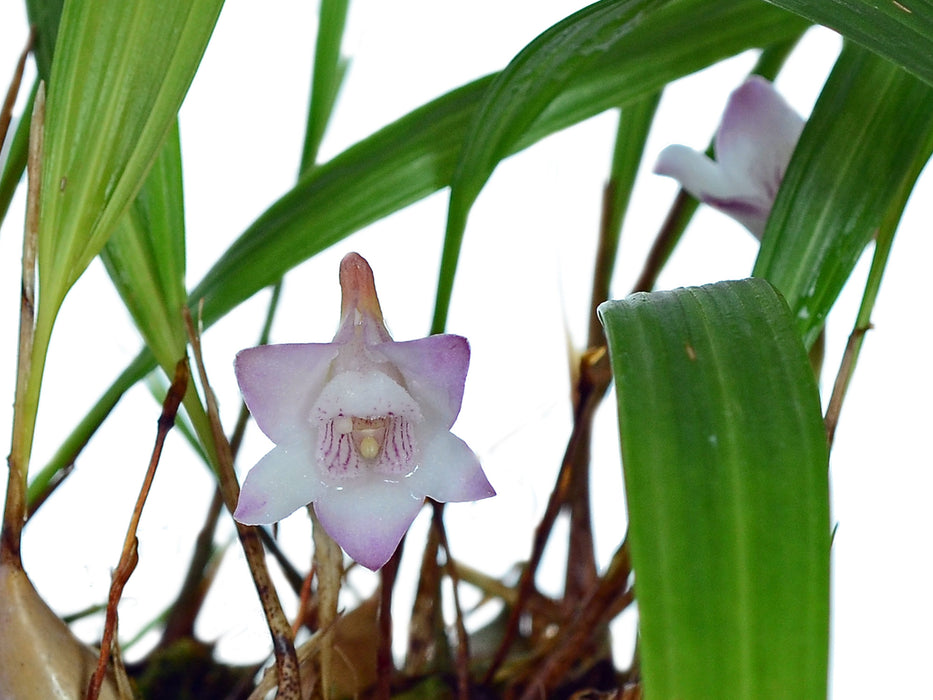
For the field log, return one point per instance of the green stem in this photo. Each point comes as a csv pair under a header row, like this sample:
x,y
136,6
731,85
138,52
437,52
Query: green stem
x,y
883,242
635,121
33,348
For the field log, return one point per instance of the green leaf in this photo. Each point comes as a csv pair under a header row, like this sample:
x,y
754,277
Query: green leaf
x,y
145,257
725,463
385,172
635,120
119,74
45,16
327,77
899,31
640,45
416,155
871,118
15,165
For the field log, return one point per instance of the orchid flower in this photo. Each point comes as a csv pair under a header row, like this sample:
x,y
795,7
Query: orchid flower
x,y
361,426
754,143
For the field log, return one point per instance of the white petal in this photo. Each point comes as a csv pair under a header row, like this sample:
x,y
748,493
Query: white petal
x,y
280,384
451,472
364,395
281,482
757,136
754,144
368,518
740,197
434,370
702,177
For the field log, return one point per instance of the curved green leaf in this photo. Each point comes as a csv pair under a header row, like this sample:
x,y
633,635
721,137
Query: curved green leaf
x,y
416,156
330,67
636,45
145,257
45,16
726,476
863,148
119,74
396,166
899,31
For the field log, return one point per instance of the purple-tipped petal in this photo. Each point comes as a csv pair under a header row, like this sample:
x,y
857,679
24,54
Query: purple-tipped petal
x,y
434,370
754,144
369,520
758,134
453,473
280,383
281,482
712,184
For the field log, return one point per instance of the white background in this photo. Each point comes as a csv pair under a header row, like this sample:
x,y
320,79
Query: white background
x,y
523,279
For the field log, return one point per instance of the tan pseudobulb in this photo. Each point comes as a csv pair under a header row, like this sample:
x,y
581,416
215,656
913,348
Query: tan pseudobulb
x,y
40,658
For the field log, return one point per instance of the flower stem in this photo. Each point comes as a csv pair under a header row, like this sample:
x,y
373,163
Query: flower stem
x,y
384,666
129,557
283,642
883,241
328,562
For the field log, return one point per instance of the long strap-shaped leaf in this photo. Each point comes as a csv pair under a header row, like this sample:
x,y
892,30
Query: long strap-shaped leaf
x,y
900,31
864,146
119,74
639,45
145,257
725,462
416,156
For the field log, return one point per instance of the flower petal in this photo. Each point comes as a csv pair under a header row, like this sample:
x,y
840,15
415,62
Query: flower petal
x,y
434,370
452,472
701,176
280,384
712,184
280,483
758,134
364,395
369,519
754,144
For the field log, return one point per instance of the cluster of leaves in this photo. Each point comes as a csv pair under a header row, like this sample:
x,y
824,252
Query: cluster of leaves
x,y
727,493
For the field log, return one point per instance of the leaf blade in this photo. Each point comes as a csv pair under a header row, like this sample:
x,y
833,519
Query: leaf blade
x,y
145,257
634,46
872,117
725,465
901,32
119,74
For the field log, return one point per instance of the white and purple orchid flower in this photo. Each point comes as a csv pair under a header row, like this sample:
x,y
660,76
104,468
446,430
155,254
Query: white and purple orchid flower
x,y
754,143
361,426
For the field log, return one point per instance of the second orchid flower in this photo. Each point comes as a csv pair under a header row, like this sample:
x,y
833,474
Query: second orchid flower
x,y
754,144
